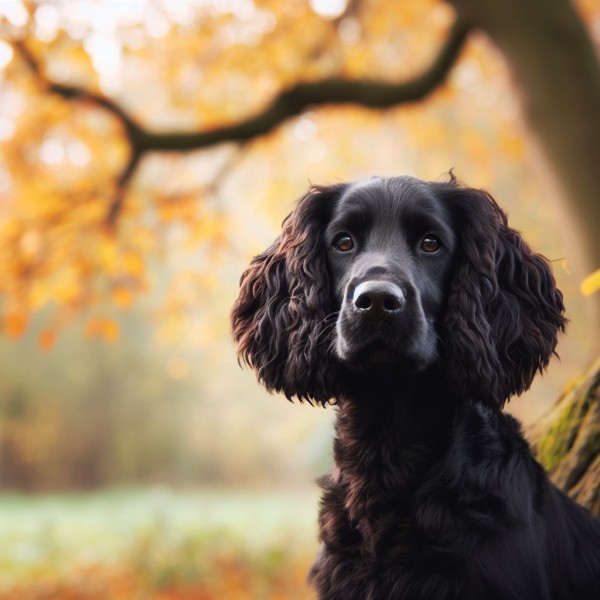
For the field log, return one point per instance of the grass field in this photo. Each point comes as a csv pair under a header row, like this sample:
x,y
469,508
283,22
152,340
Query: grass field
x,y
157,544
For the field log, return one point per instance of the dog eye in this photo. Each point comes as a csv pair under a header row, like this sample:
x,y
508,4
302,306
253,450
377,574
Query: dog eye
x,y
343,242
430,244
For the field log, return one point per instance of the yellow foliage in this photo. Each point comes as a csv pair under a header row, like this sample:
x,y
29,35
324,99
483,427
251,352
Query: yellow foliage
x,y
66,288
61,158
591,283
122,297
15,324
132,264
103,327
47,339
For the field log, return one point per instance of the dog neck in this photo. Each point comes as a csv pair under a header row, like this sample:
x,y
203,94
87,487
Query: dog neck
x,y
389,434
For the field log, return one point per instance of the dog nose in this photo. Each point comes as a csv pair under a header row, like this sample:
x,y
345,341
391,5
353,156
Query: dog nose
x,y
378,297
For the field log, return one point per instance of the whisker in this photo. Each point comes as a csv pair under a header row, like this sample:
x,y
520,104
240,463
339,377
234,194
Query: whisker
x,y
328,326
325,330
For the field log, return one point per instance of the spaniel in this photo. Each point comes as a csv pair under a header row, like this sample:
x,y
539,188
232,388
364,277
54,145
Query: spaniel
x,y
417,311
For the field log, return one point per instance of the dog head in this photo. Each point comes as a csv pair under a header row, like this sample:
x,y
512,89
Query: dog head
x,y
398,275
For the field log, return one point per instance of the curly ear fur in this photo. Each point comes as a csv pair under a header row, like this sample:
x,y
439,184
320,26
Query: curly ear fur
x,y
285,305
504,311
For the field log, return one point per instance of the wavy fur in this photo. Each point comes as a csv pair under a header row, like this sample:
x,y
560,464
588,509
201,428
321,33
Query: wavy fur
x,y
504,310
284,308
420,325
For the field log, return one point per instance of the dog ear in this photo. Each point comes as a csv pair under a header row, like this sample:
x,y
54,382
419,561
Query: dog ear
x,y
282,316
504,310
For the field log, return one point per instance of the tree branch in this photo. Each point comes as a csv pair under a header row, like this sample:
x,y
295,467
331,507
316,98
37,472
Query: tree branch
x,y
122,184
75,93
134,131
296,99
287,104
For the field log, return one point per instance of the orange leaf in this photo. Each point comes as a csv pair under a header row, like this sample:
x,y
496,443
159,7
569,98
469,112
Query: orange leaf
x,y
47,339
103,327
93,327
110,330
132,264
122,298
15,324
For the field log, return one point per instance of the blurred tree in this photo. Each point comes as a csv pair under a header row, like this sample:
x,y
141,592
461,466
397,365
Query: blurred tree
x,y
556,71
548,50
235,71
92,414
568,440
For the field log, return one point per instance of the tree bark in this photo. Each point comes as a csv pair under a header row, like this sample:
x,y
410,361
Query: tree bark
x,y
567,442
556,73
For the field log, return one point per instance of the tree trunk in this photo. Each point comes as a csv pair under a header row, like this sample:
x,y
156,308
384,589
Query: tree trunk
x,y
568,440
556,73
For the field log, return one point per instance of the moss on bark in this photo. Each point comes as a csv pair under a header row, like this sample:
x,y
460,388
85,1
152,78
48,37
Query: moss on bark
x,y
567,442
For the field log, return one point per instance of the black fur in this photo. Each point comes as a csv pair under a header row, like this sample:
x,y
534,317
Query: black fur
x,y
416,309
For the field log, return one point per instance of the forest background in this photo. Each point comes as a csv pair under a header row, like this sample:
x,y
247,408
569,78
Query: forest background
x,y
148,149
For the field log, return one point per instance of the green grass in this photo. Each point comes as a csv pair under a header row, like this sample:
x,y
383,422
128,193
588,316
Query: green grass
x,y
162,535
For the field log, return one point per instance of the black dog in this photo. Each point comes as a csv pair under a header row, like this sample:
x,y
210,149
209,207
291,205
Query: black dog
x,y
419,312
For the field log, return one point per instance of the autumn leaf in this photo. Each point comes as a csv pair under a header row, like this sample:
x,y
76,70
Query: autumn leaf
x,y
15,324
47,339
103,327
110,330
123,298
591,283
132,265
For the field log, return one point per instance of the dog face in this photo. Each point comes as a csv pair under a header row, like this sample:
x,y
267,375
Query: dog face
x,y
397,274
390,250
